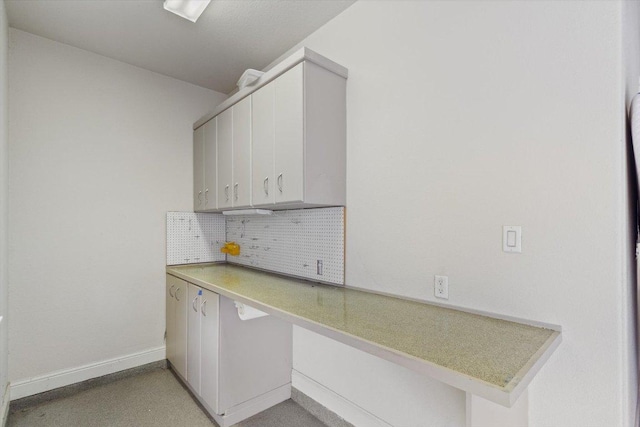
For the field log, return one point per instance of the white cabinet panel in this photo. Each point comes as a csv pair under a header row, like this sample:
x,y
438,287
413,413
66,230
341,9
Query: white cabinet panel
x,y
170,310
242,153
210,164
262,168
176,310
181,328
255,356
209,333
225,159
198,169
289,136
205,166
202,348
193,338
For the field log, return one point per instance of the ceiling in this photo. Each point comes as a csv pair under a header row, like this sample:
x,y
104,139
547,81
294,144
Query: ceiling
x,y
229,37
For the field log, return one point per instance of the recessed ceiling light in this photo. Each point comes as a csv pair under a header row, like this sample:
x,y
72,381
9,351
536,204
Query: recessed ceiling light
x,y
188,9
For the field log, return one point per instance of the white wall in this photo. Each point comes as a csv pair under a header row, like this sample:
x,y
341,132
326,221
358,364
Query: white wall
x,y
631,48
464,117
4,187
99,150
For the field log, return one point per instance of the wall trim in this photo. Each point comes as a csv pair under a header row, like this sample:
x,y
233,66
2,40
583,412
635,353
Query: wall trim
x,y
342,406
56,379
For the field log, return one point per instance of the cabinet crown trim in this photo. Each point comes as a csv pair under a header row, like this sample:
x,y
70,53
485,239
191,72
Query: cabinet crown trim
x,y
303,54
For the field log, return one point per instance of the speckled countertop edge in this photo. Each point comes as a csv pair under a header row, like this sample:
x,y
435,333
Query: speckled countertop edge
x,y
505,395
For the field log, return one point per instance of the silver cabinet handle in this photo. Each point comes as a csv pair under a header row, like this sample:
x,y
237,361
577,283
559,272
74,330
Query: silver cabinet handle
x,y
172,295
200,197
193,304
177,290
265,184
280,182
235,191
226,192
206,197
202,308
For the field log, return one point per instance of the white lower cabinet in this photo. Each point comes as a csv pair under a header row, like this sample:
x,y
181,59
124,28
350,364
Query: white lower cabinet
x,y
235,368
176,334
209,335
202,349
193,338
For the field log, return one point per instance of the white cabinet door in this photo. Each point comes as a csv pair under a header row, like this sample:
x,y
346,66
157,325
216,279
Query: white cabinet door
x,y
198,169
210,164
242,153
225,158
289,136
181,328
170,310
262,119
193,338
177,324
209,312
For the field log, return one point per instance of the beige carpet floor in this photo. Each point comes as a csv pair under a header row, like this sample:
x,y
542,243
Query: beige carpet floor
x,y
154,398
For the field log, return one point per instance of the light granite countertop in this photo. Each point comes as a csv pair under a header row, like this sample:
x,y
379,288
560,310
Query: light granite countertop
x,y
479,353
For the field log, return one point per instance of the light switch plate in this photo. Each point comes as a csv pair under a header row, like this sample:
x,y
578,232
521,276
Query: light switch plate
x,y
512,238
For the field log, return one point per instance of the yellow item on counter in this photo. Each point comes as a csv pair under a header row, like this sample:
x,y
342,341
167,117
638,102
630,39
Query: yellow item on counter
x,y
231,248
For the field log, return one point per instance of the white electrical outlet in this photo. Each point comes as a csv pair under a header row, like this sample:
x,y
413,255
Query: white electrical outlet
x,y
441,287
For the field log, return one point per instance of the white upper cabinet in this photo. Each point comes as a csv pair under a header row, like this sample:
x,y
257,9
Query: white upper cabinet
x,y
299,139
204,167
289,136
278,140
198,169
282,143
262,169
234,156
225,159
242,153
210,164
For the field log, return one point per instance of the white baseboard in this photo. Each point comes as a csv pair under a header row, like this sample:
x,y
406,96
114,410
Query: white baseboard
x,y
345,408
39,384
4,409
